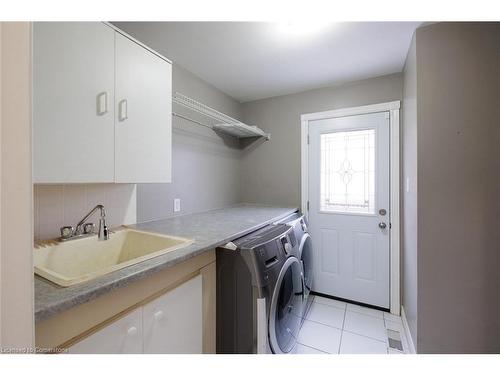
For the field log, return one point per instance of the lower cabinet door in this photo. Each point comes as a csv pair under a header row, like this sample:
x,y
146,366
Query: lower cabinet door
x,y
173,322
122,336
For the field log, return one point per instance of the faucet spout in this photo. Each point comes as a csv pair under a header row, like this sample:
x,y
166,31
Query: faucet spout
x,y
103,232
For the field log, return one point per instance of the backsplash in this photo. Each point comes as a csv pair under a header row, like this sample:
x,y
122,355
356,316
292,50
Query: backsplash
x,y
59,205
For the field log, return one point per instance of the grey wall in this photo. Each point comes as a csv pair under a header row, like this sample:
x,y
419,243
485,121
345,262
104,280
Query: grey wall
x,y
210,171
205,172
270,173
458,138
409,193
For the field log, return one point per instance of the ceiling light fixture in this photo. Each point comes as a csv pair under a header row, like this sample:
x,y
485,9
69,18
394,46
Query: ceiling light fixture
x,y
302,28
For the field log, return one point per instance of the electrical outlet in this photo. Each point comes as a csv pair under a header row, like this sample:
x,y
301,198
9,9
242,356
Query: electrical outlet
x,y
177,205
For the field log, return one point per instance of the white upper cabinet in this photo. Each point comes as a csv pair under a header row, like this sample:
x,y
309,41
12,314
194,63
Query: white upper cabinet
x,y
101,107
73,112
143,128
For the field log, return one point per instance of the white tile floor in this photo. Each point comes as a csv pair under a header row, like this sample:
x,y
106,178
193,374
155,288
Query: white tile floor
x,y
337,327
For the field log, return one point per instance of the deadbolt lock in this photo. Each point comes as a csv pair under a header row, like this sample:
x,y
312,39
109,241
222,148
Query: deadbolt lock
x,y
382,211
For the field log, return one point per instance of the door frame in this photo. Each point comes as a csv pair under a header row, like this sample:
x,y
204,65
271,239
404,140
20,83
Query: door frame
x,y
395,180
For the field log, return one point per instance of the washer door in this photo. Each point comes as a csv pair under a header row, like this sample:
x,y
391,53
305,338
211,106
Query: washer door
x,y
306,255
286,307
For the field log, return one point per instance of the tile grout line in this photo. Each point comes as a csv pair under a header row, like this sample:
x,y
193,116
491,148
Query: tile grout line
x,y
312,347
324,324
342,331
332,306
368,337
387,346
366,314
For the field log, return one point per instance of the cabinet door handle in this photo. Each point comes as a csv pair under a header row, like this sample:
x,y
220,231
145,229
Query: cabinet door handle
x,y
123,110
132,331
159,315
102,103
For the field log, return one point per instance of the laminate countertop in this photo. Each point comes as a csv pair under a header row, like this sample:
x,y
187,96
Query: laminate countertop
x,y
208,230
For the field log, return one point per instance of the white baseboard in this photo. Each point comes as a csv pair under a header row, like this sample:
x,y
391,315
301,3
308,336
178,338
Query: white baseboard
x,y
406,327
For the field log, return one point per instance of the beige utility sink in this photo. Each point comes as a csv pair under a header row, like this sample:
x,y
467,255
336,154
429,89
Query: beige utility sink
x,y
73,262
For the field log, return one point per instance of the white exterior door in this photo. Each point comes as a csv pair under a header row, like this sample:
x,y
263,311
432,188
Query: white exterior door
x,y
349,213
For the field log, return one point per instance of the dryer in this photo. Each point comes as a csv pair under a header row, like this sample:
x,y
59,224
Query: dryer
x,y
260,293
304,250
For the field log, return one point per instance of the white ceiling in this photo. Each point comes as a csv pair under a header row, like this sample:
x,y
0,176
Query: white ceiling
x,y
255,60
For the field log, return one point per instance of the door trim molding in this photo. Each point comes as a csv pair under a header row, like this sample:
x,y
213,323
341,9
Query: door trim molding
x,y
395,182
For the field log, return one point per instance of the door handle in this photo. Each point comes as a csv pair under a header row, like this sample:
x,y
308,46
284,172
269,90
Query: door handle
x,y
123,110
382,225
102,103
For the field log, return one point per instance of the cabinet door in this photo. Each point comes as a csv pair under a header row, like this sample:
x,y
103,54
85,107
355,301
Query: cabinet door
x,y
173,322
73,110
121,336
143,128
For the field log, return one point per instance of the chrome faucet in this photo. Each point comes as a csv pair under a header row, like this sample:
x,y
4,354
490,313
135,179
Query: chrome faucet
x,y
84,229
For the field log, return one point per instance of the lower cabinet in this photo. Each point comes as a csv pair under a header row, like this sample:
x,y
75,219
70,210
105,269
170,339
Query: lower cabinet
x,y
123,336
172,323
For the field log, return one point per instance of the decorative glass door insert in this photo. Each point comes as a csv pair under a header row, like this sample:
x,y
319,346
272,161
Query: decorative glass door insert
x,y
347,173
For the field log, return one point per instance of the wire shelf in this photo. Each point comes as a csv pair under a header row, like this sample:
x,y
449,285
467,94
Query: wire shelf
x,y
218,121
